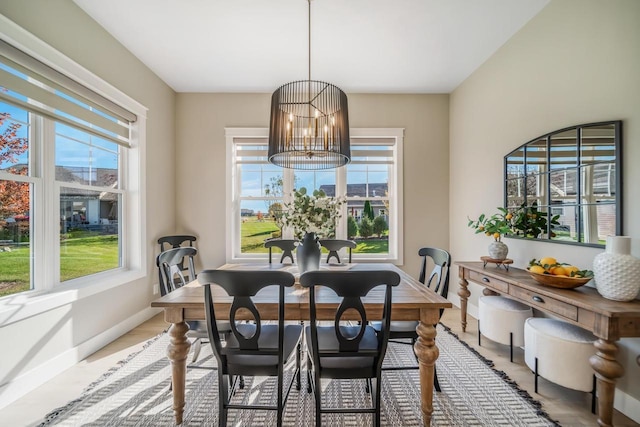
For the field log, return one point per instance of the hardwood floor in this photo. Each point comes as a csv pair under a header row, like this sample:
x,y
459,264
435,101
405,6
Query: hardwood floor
x,y
568,407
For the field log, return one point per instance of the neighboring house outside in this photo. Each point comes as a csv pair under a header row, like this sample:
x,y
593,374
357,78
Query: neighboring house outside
x,y
355,207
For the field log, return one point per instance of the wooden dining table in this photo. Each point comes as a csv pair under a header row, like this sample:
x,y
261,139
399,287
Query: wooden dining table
x,y
411,301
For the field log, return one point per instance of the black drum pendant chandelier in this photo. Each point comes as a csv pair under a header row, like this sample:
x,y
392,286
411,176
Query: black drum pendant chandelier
x,y
309,126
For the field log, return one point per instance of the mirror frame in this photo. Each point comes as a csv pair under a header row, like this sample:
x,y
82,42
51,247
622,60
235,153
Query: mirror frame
x,y
534,172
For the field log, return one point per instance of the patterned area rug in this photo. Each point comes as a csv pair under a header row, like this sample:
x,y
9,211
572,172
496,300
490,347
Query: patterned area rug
x,y
136,393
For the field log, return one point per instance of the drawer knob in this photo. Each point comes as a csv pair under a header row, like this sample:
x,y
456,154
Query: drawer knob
x,y
536,298
486,279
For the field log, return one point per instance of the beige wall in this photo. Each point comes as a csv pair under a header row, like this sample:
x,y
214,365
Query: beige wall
x,y
201,180
53,335
578,61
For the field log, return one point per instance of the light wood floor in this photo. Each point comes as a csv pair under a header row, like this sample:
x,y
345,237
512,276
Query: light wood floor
x,y
568,407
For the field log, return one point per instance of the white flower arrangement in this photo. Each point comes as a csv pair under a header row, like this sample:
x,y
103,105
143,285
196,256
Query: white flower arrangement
x,y
315,213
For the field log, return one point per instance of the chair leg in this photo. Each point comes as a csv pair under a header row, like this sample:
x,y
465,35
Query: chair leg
x,y
223,398
376,399
197,346
309,375
318,398
479,334
511,346
535,375
298,353
367,385
436,383
593,395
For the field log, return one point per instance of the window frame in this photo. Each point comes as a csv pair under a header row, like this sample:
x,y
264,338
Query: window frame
x,y
48,292
236,136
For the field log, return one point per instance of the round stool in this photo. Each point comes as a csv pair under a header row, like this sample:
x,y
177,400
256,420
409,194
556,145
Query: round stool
x,y
559,352
502,320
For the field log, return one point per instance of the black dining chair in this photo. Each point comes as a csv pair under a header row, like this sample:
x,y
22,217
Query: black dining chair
x,y
171,277
254,348
286,245
334,245
438,282
344,350
177,241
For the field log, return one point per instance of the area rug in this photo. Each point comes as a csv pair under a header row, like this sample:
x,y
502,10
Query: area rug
x,y
136,393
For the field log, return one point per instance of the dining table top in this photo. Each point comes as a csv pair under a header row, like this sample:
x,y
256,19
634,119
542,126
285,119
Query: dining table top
x,y
408,298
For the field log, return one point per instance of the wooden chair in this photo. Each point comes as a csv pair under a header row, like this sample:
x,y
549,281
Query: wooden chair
x,y
286,245
253,348
439,283
345,351
334,245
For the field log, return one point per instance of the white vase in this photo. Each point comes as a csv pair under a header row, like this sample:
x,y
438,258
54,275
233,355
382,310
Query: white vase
x,y
498,250
616,271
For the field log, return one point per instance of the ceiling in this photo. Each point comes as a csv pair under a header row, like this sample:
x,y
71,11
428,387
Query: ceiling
x,y
362,46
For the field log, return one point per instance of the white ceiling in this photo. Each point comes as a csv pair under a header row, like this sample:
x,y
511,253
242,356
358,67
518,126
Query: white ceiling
x,y
372,46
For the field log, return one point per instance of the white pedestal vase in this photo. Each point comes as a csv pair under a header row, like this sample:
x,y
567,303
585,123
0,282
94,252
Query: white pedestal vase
x,y
616,271
498,250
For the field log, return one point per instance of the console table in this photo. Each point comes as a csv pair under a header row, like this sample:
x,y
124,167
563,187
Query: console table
x,y
608,320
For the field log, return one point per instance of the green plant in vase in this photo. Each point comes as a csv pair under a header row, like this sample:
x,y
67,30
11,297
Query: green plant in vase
x,y
495,226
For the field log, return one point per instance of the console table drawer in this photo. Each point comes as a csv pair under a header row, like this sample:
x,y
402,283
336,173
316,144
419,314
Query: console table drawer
x,y
545,303
489,282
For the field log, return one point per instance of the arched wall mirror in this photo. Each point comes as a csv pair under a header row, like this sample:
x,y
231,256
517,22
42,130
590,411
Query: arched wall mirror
x,y
566,186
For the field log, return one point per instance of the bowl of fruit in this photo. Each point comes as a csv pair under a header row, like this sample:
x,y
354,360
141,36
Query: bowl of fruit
x,y
548,271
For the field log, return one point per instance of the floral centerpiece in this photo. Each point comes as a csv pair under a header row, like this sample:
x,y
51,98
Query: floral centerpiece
x,y
312,213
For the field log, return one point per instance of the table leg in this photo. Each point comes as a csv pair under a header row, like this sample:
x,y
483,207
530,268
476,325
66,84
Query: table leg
x,y
427,353
464,295
607,370
177,352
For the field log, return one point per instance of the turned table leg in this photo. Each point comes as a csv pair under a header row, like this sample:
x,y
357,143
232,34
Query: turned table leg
x,y
464,294
607,370
427,353
177,352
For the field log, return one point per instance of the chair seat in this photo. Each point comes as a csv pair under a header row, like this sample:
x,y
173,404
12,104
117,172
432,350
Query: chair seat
x,y
268,340
398,326
328,343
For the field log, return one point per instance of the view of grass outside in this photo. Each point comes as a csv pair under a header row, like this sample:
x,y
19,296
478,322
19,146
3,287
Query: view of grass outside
x,y
81,254
254,232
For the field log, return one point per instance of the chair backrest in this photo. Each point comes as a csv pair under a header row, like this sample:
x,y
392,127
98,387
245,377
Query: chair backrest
x,y
171,276
351,286
438,280
243,286
168,242
287,246
334,245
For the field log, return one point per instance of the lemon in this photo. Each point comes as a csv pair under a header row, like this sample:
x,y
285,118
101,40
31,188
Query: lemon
x,y
558,271
536,269
548,261
496,235
570,269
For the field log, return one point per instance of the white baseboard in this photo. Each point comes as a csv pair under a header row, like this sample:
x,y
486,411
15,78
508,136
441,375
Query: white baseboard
x,y
23,384
623,402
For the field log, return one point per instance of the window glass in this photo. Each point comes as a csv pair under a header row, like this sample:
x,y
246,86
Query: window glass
x,y
15,237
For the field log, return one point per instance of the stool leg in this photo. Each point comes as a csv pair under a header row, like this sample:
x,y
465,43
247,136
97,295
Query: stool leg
x,y
511,346
479,334
535,373
593,396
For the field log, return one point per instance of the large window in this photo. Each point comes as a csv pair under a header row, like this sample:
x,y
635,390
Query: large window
x,y
370,184
67,168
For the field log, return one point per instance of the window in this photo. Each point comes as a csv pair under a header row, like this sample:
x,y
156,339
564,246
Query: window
x,y
371,185
68,164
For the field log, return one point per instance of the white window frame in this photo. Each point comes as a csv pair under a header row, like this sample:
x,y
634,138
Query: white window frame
x,y
48,292
236,136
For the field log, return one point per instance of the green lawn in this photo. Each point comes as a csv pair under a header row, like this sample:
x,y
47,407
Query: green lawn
x,y
78,257
255,232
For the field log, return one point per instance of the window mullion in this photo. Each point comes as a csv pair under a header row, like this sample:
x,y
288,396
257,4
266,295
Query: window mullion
x,y
49,215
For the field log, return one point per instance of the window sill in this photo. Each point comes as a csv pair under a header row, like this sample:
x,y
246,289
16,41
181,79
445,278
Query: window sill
x,y
14,308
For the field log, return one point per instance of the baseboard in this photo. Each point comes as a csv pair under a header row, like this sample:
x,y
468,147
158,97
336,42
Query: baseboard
x,y
23,384
627,404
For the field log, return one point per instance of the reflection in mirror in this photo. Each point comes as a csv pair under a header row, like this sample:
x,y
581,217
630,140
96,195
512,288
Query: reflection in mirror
x,y
571,191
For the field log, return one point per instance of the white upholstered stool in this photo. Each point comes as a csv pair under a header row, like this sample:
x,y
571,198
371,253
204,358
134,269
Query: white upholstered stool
x,y
559,352
502,320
